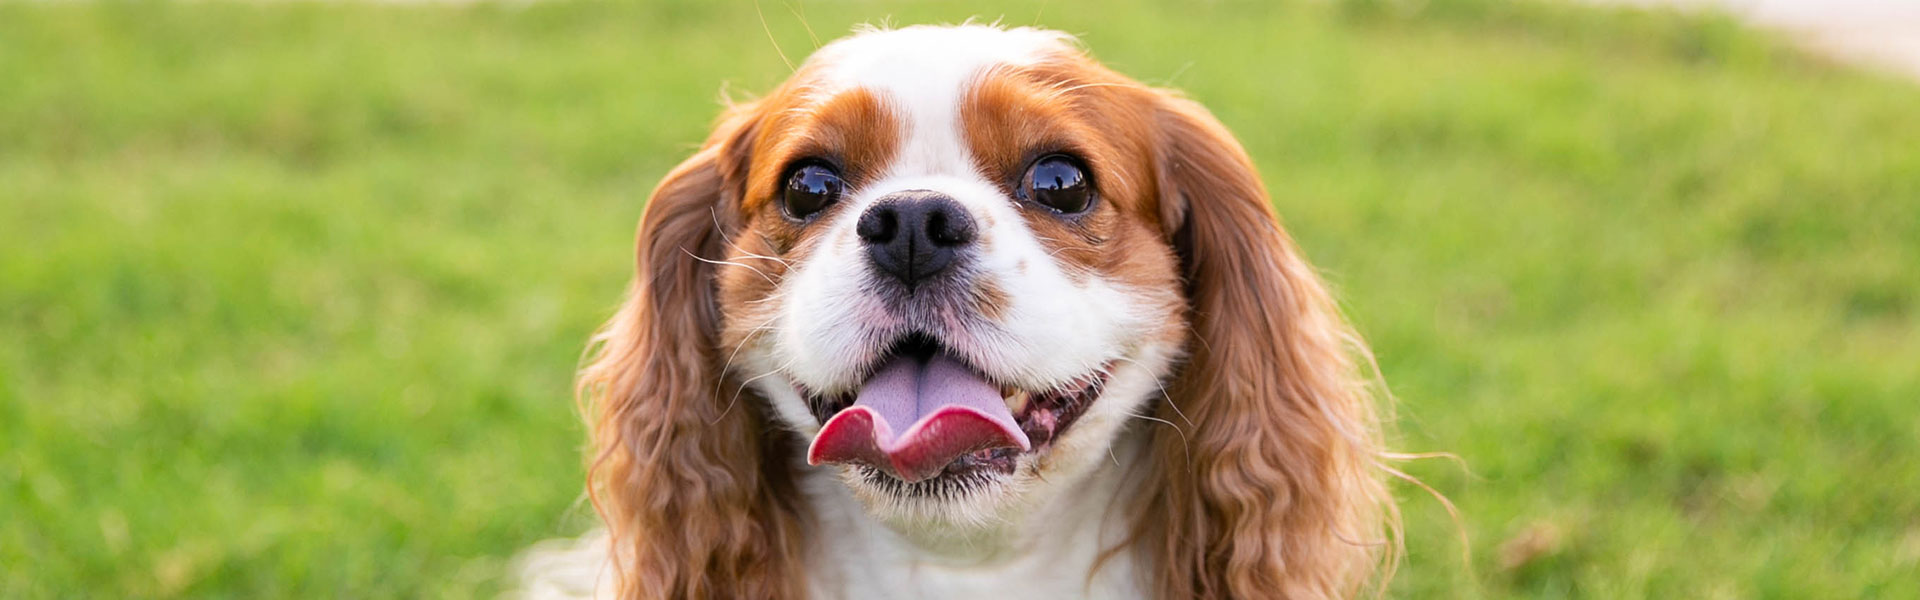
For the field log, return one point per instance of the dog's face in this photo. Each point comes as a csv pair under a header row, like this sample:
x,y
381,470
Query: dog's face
x,y
955,263
949,273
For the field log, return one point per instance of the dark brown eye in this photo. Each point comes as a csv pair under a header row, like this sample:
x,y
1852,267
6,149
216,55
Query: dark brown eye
x,y
811,188
1058,182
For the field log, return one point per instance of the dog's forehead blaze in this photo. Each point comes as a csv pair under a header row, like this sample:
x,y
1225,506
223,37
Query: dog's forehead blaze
x,y
1013,115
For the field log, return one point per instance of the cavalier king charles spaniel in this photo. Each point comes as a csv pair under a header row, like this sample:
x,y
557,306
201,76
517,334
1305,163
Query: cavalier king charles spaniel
x,y
957,312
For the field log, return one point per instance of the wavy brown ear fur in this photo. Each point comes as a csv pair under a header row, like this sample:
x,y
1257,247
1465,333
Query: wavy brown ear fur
x,y
1269,490
695,506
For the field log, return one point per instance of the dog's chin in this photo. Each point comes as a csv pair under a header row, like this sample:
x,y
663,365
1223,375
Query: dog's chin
x,y
964,496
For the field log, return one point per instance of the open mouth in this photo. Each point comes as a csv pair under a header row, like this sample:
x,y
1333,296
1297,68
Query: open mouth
x,y
924,418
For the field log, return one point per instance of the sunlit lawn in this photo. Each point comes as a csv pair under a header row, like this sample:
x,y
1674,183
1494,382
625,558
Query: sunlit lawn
x,y
291,294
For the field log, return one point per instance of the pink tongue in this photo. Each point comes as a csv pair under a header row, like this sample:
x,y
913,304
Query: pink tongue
x,y
942,409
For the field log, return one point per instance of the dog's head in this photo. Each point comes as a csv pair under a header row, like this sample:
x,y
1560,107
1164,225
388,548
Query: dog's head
x,y
954,267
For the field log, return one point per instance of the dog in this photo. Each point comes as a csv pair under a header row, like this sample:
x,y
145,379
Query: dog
x,y
958,312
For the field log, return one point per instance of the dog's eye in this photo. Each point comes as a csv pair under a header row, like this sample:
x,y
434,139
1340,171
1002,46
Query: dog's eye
x,y
1059,183
811,188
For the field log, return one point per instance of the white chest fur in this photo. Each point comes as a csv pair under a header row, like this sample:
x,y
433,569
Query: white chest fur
x,y
1052,555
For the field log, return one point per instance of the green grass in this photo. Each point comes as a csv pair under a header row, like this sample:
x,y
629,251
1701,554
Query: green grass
x,y
291,295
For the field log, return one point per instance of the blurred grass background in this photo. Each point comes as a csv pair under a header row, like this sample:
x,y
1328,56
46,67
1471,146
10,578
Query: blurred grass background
x,y
291,294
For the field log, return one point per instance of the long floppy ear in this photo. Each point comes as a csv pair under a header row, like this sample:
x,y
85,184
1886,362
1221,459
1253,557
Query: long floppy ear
x,y
1270,489
694,505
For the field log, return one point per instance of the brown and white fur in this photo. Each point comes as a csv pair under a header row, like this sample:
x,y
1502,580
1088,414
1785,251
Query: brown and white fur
x,y
1231,451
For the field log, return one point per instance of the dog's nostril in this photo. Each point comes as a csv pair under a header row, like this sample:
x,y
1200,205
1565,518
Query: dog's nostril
x,y
949,229
878,225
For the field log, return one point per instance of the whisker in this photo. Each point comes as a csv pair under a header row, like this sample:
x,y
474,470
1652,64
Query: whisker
x,y
743,387
721,231
783,262
767,325
1164,395
770,297
762,274
1176,428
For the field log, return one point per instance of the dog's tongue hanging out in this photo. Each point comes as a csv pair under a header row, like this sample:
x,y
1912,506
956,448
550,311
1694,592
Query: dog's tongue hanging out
x,y
916,415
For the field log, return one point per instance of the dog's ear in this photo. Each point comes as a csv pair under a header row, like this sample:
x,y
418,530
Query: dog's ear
x,y
1269,487
693,508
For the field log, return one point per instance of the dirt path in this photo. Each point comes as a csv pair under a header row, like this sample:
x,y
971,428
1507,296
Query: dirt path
x,y
1878,32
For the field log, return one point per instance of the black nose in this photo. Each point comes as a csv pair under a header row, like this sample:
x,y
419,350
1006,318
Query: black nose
x,y
915,234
